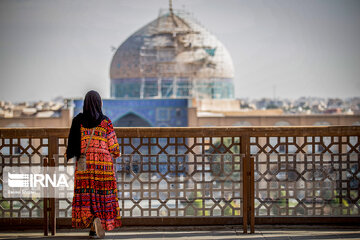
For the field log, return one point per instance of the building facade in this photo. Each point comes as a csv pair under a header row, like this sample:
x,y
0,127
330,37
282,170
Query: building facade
x,y
143,112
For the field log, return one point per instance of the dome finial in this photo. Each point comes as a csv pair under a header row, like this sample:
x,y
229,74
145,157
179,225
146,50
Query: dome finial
x,y
171,8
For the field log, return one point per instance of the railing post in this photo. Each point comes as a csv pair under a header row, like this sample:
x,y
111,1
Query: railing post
x,y
245,196
53,151
252,196
248,185
45,207
52,206
245,150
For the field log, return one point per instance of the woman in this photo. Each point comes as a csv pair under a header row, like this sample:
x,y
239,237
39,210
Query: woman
x,y
95,203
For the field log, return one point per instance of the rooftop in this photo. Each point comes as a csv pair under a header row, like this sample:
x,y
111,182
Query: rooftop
x,y
38,109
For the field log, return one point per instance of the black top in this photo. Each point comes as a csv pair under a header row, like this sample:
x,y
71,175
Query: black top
x,y
91,117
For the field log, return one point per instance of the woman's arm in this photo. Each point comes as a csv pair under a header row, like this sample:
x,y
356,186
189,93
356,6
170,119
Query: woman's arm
x,y
73,147
113,144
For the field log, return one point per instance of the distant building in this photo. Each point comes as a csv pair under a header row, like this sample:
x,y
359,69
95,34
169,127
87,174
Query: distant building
x,y
214,112
38,114
143,112
172,57
158,70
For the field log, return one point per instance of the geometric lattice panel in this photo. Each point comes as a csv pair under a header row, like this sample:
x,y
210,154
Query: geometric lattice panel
x,y
21,152
199,176
179,185
202,176
306,176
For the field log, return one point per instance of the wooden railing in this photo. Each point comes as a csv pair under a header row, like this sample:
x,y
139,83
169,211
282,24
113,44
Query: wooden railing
x,y
204,176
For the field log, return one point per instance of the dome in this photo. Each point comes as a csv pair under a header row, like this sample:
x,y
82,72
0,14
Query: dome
x,y
172,56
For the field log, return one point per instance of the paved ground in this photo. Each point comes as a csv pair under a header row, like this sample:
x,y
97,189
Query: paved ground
x,y
223,233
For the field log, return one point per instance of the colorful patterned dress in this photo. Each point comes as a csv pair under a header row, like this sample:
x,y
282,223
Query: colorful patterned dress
x,y
95,190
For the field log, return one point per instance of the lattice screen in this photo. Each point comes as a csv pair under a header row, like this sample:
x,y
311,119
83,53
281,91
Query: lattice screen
x,y
201,176
176,177
306,176
21,152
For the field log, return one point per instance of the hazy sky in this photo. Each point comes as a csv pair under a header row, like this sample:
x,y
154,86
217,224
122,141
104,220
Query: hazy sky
x,y
56,48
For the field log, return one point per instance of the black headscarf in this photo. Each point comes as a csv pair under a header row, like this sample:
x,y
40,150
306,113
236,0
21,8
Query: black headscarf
x,y
90,117
92,113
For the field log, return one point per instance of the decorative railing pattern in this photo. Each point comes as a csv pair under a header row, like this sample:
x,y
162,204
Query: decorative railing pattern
x,y
21,151
306,176
175,176
227,174
170,185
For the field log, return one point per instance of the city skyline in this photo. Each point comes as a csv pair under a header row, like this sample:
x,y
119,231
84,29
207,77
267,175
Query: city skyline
x,y
286,49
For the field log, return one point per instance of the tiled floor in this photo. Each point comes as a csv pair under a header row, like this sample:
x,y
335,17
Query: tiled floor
x,y
223,233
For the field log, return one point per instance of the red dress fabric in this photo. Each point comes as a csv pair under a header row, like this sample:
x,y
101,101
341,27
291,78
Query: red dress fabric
x,y
95,190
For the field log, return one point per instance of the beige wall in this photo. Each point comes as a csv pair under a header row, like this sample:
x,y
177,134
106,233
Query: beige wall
x,y
63,121
277,120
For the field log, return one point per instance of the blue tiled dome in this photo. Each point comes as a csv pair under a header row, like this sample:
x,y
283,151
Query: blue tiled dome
x,y
172,57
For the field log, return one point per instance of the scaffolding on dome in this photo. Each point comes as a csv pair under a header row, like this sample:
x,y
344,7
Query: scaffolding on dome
x,y
178,59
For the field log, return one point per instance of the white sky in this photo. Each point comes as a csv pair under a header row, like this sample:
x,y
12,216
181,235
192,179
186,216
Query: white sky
x,y
51,48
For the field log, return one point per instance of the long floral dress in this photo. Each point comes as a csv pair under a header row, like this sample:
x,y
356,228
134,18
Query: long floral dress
x,y
95,190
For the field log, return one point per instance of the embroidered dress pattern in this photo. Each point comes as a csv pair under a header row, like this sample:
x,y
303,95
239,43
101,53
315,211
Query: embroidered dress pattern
x,y
95,190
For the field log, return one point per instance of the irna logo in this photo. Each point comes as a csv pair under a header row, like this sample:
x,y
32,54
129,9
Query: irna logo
x,y
37,180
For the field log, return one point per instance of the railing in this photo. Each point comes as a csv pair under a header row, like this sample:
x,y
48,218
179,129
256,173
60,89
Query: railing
x,y
202,176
